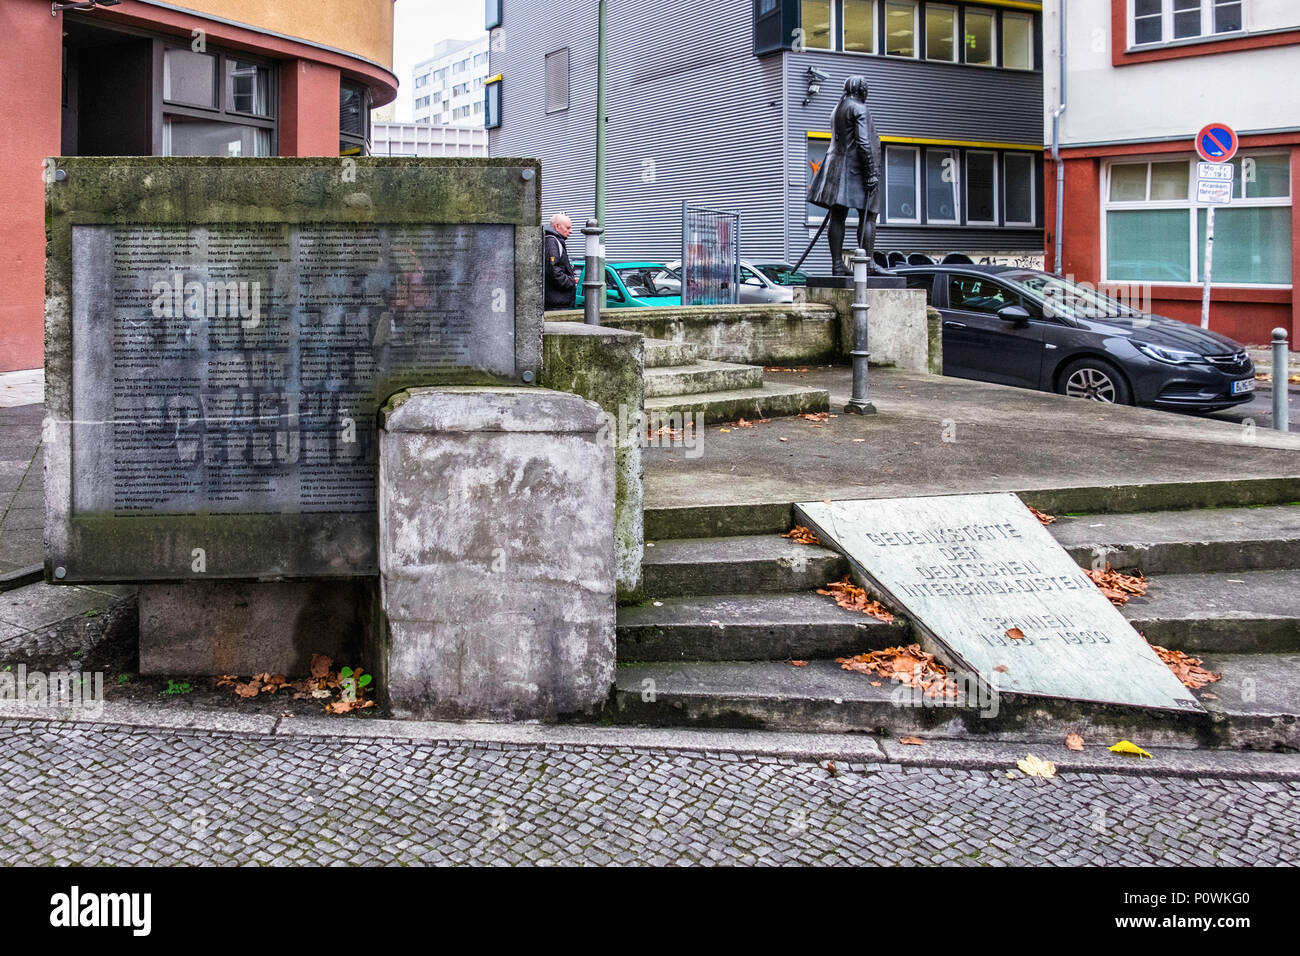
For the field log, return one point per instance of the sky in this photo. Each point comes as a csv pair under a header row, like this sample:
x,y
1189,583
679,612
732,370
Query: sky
x,y
419,25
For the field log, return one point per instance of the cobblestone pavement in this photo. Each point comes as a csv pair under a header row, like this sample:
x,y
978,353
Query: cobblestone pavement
x,y
121,795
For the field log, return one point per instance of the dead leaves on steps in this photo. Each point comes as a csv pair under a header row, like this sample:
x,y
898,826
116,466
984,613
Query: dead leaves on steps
x,y
325,684
852,598
1117,586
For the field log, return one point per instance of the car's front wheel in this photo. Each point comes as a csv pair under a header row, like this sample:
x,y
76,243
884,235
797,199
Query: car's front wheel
x,y
1096,380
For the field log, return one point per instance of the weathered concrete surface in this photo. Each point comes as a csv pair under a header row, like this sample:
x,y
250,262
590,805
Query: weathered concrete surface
x,y
204,628
789,334
607,366
902,331
496,523
937,435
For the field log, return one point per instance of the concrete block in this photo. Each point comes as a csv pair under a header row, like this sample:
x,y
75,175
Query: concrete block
x,y
233,627
900,332
496,542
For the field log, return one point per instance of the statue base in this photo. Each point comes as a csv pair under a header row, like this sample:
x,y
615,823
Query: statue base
x,y
846,282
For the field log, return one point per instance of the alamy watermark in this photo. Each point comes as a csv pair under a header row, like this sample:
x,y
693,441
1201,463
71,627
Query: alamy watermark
x,y
59,689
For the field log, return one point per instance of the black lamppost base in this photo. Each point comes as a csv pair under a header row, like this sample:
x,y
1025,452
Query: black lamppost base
x,y
859,408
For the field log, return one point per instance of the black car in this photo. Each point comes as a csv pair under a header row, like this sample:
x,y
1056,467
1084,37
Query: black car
x,y
1033,329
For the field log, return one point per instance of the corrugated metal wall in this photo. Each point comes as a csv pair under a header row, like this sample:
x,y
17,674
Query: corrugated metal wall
x,y
693,114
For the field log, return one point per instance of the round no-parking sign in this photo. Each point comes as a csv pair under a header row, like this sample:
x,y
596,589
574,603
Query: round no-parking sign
x,y
1216,143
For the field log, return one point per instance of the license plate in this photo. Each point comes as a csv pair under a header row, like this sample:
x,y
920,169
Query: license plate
x,y
1244,386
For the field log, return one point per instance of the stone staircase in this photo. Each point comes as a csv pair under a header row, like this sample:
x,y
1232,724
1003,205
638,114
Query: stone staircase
x,y
678,381
725,615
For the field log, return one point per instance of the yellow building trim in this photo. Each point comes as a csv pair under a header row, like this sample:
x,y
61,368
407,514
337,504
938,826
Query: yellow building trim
x,y
492,79
925,141
361,27
1013,4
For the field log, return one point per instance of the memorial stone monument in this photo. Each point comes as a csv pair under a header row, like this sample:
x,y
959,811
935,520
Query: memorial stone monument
x,y
220,337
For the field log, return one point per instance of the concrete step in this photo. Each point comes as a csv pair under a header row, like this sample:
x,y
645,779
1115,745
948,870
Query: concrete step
x,y
1233,612
1180,542
680,568
744,627
661,353
702,376
772,400
1255,705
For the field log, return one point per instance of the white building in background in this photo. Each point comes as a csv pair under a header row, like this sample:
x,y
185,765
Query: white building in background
x,y
447,88
425,139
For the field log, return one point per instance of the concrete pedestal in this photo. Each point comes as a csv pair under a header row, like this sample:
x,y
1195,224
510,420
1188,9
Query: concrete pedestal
x,y
496,553
904,332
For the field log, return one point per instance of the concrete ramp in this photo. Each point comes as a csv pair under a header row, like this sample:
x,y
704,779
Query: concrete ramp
x,y
997,597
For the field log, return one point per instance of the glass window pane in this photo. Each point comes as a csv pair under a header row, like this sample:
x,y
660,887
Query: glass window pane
x,y
1169,181
186,136
940,186
1017,41
1250,245
1263,176
1148,245
189,77
1146,8
1187,19
1227,16
1128,183
979,37
816,22
1147,21
247,87
940,33
900,28
1018,185
981,191
860,26
900,184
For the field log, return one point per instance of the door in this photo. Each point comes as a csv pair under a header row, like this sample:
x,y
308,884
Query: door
x,y
978,343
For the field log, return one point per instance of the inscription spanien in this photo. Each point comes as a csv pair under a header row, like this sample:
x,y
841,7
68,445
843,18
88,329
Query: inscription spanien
x,y
986,582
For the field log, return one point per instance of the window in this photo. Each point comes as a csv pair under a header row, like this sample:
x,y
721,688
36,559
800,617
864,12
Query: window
x,y
491,14
1017,41
1155,232
557,81
976,294
422,102
941,186
900,27
981,187
354,119
859,26
901,187
422,81
979,43
1162,21
815,19
940,33
215,104
924,282
189,78
1018,180
492,102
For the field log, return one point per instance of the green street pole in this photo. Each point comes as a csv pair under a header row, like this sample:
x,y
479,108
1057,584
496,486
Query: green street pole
x,y
600,137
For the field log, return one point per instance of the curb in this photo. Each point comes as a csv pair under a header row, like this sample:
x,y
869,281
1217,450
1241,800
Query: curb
x,y
34,574
851,748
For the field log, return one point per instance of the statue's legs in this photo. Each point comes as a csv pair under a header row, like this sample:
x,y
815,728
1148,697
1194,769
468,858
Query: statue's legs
x,y
835,237
867,233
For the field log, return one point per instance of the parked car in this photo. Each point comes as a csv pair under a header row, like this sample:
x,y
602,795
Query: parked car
x,y
755,286
631,284
1036,330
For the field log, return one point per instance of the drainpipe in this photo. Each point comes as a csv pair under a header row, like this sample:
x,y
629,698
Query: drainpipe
x,y
1056,134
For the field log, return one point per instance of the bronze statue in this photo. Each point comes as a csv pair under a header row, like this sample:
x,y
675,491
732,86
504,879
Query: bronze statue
x,y
849,176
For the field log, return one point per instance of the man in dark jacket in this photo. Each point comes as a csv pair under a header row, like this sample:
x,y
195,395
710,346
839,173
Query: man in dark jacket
x,y
557,270
849,176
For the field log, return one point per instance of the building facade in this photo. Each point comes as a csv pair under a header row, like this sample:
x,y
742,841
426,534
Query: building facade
x,y
185,78
728,104
425,139
1140,79
447,88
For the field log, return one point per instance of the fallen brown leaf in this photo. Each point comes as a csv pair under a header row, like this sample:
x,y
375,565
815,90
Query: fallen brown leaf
x,y
913,741
801,535
1016,634
1186,668
798,663
320,665
1041,516
1034,767
251,689
1001,668
852,598
1074,741
909,665
1117,586
816,416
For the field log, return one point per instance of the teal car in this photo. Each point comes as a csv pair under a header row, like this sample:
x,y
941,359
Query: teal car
x,y
632,284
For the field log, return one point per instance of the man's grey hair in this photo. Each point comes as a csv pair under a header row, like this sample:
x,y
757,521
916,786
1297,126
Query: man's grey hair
x,y
558,218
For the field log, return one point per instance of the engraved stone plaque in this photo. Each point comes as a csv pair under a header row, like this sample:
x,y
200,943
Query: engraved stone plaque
x,y
986,582
221,335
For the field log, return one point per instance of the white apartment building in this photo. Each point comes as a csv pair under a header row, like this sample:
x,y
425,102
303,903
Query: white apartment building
x,y
447,88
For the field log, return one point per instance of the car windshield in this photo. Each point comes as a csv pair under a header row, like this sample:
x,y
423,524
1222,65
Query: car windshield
x,y
1073,299
782,273
641,281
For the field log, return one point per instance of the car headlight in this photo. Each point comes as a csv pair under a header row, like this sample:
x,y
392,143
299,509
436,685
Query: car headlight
x,y
1172,356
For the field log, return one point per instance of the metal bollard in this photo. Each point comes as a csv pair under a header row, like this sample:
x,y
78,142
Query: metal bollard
x,y
1281,387
593,277
858,404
